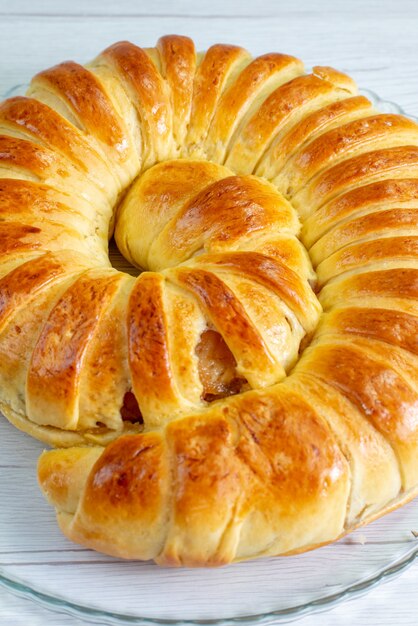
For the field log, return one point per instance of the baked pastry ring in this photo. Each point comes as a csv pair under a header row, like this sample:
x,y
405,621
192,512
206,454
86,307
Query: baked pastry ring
x,y
254,406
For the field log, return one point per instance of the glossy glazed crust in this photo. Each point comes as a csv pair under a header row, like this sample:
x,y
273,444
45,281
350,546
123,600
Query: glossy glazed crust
x,y
240,477
187,216
250,170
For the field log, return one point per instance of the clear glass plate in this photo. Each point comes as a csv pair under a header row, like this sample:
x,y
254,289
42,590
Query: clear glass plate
x,y
37,562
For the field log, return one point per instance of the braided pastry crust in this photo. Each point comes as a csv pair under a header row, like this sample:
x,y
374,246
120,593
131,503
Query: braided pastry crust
x,y
255,385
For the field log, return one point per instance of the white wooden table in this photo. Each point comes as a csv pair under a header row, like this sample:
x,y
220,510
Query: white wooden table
x,y
377,44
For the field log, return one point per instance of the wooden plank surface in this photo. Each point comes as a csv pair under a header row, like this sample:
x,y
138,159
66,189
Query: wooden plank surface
x,y
377,44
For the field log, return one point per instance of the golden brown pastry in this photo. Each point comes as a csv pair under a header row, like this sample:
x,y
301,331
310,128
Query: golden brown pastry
x,y
256,383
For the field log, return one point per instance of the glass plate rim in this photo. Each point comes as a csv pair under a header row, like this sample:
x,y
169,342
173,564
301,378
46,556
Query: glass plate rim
x,y
59,605
56,604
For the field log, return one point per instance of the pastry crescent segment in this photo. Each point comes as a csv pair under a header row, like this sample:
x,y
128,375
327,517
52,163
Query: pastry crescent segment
x,y
254,390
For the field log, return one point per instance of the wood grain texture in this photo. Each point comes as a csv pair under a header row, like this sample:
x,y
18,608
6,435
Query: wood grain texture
x,y
377,44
